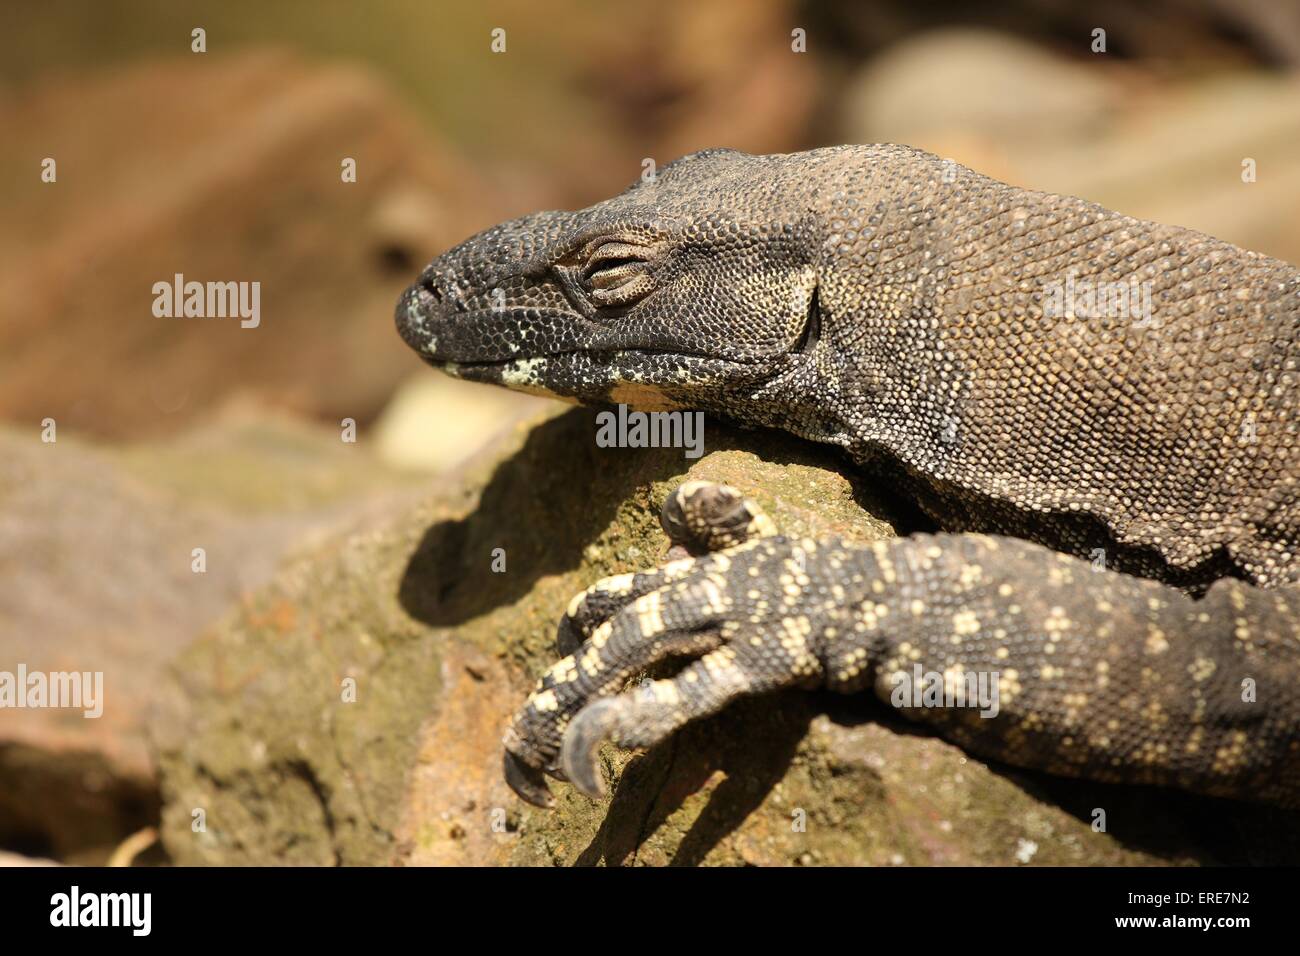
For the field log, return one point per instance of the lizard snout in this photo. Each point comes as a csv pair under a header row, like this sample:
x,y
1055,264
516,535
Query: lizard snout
x,y
416,315
427,312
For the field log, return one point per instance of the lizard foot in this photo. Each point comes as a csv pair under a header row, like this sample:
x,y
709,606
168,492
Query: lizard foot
x,y
1014,652
615,629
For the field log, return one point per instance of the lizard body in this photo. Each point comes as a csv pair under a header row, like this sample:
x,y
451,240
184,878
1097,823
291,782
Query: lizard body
x,y
1029,366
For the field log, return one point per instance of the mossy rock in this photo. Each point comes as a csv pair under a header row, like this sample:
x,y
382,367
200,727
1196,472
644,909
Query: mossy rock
x,y
256,732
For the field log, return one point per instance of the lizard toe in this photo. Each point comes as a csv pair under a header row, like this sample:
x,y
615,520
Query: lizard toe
x,y
704,516
582,741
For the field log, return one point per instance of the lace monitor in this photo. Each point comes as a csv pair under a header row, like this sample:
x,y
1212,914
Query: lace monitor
x,y
1062,388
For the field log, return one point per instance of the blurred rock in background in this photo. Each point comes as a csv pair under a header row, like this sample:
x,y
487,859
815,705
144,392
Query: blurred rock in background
x,y
679,76
1182,36
416,433
222,169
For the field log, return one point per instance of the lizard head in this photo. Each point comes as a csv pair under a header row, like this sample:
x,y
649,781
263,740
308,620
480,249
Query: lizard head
x,y
693,288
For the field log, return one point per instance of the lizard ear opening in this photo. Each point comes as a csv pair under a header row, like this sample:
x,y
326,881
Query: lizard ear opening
x,y
812,328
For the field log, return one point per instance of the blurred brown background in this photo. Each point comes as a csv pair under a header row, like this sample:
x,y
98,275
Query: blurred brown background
x,y
225,165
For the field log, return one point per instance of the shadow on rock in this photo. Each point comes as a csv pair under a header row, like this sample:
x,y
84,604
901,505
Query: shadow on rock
x,y
542,507
716,761
1172,824
553,498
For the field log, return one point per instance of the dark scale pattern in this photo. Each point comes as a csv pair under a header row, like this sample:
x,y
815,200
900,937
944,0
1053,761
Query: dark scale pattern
x,y
900,306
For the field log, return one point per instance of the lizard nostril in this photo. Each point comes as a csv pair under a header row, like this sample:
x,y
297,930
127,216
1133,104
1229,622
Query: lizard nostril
x,y
430,285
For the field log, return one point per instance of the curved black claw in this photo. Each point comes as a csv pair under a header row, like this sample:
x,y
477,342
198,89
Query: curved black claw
x,y
582,740
528,782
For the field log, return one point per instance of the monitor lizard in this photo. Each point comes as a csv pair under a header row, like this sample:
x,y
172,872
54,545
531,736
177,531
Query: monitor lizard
x,y
1099,413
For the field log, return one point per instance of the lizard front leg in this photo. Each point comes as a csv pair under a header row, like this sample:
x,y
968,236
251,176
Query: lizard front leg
x,y
1099,675
1095,674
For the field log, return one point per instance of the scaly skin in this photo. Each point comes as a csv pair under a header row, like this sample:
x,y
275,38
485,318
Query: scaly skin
x,y
902,307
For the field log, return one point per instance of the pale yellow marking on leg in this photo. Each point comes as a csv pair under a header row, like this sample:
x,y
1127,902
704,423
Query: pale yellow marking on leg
x,y
649,614
545,702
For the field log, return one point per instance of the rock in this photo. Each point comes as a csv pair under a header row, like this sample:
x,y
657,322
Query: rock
x,y
222,168
436,423
997,86
1175,34
677,76
351,711
96,575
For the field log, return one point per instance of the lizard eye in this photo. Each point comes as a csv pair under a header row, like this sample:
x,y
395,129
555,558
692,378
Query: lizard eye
x,y
617,274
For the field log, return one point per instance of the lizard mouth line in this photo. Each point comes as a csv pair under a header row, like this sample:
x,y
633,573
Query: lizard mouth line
x,y
598,354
